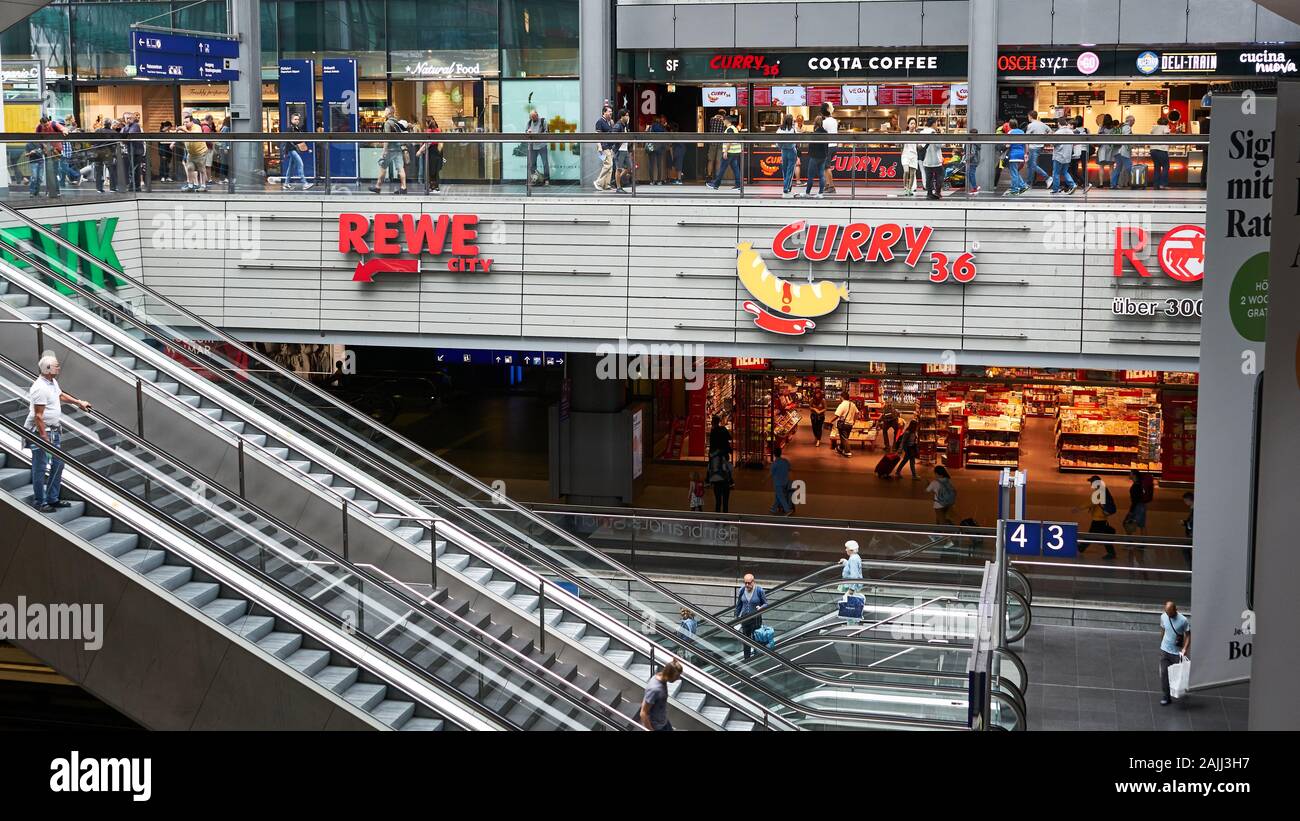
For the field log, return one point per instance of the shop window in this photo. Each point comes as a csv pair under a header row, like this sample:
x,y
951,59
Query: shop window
x,y
207,16
448,25
557,104
100,35
539,37
270,11
42,36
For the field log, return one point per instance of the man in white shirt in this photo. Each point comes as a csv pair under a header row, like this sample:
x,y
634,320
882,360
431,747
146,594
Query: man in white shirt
x,y
45,419
1123,155
932,163
845,415
832,126
1062,153
1032,170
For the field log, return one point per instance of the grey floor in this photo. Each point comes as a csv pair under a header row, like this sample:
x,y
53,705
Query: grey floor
x,y
1083,678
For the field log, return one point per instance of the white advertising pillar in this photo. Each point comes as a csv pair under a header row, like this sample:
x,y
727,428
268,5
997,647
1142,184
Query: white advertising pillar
x,y
246,92
1276,656
1236,293
595,83
982,76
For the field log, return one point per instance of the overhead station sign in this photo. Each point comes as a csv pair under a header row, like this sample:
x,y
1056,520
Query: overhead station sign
x,y
172,56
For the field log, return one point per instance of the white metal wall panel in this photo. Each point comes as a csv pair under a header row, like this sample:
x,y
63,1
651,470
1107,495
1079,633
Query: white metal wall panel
x,y
710,26
645,27
823,24
772,26
890,23
945,23
1220,21
1163,21
1024,22
1095,21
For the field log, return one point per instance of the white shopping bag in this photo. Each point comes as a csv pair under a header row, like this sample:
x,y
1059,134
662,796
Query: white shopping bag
x,y
1179,674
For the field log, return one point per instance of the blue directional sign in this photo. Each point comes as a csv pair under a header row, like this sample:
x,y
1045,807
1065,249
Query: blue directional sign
x,y
1052,539
184,56
1023,538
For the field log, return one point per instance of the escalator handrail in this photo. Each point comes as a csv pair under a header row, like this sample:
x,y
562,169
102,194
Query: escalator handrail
x,y
757,711
461,627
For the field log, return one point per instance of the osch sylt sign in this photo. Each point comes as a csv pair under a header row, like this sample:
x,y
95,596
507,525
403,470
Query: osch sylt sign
x,y
391,235
788,307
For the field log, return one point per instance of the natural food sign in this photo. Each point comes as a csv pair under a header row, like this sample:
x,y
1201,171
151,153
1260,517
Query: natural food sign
x,y
394,234
788,307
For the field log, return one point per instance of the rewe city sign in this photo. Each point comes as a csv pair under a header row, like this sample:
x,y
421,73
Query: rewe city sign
x,y
393,234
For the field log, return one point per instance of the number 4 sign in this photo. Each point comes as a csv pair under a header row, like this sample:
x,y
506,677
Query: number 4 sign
x,y
1041,538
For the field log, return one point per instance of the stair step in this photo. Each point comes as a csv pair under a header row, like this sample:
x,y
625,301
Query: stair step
x,y
369,505
409,534
168,387
346,492
692,700
191,399
309,662
36,311
115,544
170,576
620,658
596,644
737,725
423,725
393,713
14,478
279,644
253,628
573,629
365,696
504,588
716,713
143,561
300,465
526,602
321,478
90,527
454,561
337,679
479,574
234,425
225,610
258,439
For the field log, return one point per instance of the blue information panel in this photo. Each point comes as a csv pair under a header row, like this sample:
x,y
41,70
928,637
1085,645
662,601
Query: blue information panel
x,y
298,96
468,356
1051,539
184,56
1023,538
339,85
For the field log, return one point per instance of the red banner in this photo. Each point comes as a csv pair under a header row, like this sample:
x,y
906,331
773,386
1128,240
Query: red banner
x,y
777,324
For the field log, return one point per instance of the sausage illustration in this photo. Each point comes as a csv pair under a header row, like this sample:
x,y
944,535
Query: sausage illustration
x,y
784,297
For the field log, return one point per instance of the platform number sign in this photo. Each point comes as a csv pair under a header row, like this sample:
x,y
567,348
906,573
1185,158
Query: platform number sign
x,y
1041,538
1023,538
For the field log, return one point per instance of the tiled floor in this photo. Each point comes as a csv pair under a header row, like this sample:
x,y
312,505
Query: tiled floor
x,y
1084,678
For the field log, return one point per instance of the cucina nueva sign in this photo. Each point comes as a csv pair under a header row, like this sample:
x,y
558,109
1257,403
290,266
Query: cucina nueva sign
x,y
393,234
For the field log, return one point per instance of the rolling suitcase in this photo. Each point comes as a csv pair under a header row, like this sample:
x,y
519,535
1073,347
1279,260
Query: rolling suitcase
x,y
887,464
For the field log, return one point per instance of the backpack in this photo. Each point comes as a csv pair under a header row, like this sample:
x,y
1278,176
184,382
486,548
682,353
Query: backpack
x,y
719,468
1148,489
1108,506
947,495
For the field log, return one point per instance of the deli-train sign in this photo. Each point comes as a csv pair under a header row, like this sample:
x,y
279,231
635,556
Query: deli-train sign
x,y
391,235
789,307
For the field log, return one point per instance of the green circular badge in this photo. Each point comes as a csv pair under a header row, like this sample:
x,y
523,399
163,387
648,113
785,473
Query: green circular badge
x,y
1248,298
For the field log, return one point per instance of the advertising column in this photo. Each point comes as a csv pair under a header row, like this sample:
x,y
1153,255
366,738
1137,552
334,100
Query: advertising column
x,y
1277,562
298,96
339,87
1236,293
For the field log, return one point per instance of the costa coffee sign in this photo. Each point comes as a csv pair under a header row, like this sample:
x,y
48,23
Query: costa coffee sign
x,y
384,237
788,307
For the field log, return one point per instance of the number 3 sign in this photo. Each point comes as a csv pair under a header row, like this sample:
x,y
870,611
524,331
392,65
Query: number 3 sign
x,y
1042,538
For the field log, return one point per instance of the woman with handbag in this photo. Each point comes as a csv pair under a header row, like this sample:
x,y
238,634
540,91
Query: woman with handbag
x,y
432,153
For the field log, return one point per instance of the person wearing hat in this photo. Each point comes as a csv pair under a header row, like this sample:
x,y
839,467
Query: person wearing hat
x,y
852,567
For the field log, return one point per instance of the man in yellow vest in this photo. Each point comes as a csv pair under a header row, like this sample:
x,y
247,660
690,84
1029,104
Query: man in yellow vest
x,y
730,159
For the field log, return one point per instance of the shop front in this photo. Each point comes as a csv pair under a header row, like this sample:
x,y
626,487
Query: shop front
x,y
1174,83
871,91
967,417
460,91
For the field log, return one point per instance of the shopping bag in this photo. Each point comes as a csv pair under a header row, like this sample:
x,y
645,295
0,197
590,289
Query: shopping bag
x,y
1179,674
851,607
765,635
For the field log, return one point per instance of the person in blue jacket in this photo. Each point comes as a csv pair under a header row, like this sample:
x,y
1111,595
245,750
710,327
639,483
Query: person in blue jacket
x,y
749,601
852,567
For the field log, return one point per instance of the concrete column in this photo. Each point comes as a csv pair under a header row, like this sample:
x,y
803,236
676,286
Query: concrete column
x,y
596,62
591,451
246,92
982,74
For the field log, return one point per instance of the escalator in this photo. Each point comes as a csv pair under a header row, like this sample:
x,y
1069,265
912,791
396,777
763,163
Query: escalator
x,y
318,464
439,641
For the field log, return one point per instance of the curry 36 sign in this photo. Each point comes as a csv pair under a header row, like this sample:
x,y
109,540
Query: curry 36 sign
x,y
394,234
788,307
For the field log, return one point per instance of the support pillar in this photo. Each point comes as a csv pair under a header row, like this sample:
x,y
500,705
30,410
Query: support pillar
x,y
982,76
248,163
596,81
593,448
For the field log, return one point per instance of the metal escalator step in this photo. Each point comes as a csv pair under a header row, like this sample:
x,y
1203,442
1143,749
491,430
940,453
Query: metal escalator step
x,y
573,629
143,561
83,336
253,628
716,713
423,725
675,688
115,544
321,478
454,561
17,300
191,399
596,644
369,505
198,593
346,492
168,387
365,695
336,678
309,662
225,610
620,658
300,465
102,347
146,374
280,644
258,439
640,671
90,527
234,425
170,576
212,413
526,602
127,362
393,713
479,574
504,588
11,478
737,725
409,534
553,615
692,700
36,311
